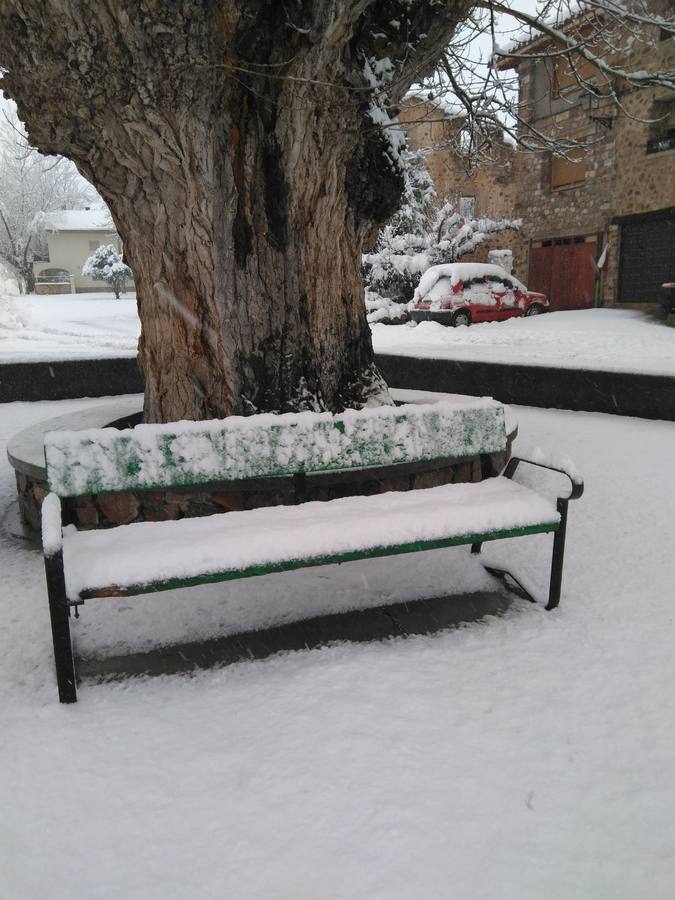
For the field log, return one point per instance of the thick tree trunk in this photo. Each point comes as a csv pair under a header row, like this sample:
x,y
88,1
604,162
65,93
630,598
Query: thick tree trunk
x,y
246,261
233,144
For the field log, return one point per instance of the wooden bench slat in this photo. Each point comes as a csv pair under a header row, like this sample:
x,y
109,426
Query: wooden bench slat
x,y
190,453
265,540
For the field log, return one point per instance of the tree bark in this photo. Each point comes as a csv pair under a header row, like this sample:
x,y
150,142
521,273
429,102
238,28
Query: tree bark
x,y
27,278
233,145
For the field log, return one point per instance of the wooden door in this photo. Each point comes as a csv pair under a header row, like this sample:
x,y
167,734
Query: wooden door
x,y
564,269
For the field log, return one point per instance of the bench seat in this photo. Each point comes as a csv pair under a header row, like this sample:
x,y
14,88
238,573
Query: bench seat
x,y
149,556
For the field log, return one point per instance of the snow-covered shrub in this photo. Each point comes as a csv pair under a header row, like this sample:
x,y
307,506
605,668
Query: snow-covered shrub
x,y
423,233
382,309
106,264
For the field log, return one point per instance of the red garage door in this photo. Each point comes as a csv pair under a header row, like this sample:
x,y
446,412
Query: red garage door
x,y
564,269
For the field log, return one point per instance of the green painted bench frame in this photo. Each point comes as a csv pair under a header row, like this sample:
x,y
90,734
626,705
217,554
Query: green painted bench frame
x,y
473,435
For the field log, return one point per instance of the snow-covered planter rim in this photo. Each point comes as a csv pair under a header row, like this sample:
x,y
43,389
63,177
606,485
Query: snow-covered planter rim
x,y
239,448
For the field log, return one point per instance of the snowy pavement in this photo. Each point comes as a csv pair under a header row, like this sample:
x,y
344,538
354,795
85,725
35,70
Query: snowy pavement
x,y
87,326
612,340
527,757
67,326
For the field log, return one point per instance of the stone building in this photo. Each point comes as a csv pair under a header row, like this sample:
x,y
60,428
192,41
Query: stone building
x,y
599,226
613,204
488,190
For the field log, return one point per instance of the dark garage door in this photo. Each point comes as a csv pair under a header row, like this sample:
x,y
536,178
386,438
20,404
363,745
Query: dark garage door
x,y
647,259
564,269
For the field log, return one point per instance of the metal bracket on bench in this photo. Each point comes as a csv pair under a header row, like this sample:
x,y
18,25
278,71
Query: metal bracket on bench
x,y
75,603
503,574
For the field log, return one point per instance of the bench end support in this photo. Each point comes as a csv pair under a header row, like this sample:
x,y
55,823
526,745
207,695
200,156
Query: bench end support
x,y
60,619
558,557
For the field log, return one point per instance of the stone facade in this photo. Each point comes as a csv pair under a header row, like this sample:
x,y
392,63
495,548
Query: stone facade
x,y
493,184
621,178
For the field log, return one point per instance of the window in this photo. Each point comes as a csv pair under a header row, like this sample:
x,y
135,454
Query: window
x,y
566,172
663,129
53,276
665,141
467,207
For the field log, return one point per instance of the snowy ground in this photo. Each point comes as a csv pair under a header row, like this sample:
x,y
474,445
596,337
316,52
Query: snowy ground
x,y
67,326
523,758
604,339
80,326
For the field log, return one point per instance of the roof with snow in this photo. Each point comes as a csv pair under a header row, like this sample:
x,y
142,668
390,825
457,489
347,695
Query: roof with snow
x,y
527,37
91,219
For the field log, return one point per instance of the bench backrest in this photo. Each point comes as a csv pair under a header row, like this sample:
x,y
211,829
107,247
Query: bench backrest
x,y
104,460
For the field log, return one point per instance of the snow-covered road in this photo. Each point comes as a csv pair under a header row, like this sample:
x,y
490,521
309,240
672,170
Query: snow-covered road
x,y
528,757
68,326
86,326
604,339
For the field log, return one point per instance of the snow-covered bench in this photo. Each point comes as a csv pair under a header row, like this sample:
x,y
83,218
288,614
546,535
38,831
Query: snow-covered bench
x,y
144,557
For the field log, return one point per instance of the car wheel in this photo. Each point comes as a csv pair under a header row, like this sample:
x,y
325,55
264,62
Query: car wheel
x,y
535,310
461,317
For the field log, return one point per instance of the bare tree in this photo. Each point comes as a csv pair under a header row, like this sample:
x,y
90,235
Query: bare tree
x,y
245,149
604,48
30,186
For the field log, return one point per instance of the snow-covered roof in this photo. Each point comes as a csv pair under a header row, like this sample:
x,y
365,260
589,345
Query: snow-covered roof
x,y
444,103
92,219
559,17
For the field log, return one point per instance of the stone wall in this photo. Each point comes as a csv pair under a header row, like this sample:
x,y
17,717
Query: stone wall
x,y
108,510
493,183
58,287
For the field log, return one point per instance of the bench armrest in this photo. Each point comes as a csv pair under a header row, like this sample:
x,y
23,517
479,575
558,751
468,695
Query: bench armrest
x,y
554,462
52,535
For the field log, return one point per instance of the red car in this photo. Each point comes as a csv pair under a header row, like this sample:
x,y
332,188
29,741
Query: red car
x,y
462,293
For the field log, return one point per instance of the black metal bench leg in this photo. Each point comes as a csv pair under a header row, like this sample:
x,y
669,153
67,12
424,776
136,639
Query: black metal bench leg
x,y
60,617
558,557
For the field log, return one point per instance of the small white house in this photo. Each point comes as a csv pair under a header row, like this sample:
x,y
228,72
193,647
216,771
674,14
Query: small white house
x,y
72,236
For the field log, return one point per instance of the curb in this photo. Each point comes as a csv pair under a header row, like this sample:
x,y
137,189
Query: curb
x,y
617,393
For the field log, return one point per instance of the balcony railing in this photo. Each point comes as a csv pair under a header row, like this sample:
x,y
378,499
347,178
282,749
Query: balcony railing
x,y
663,142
